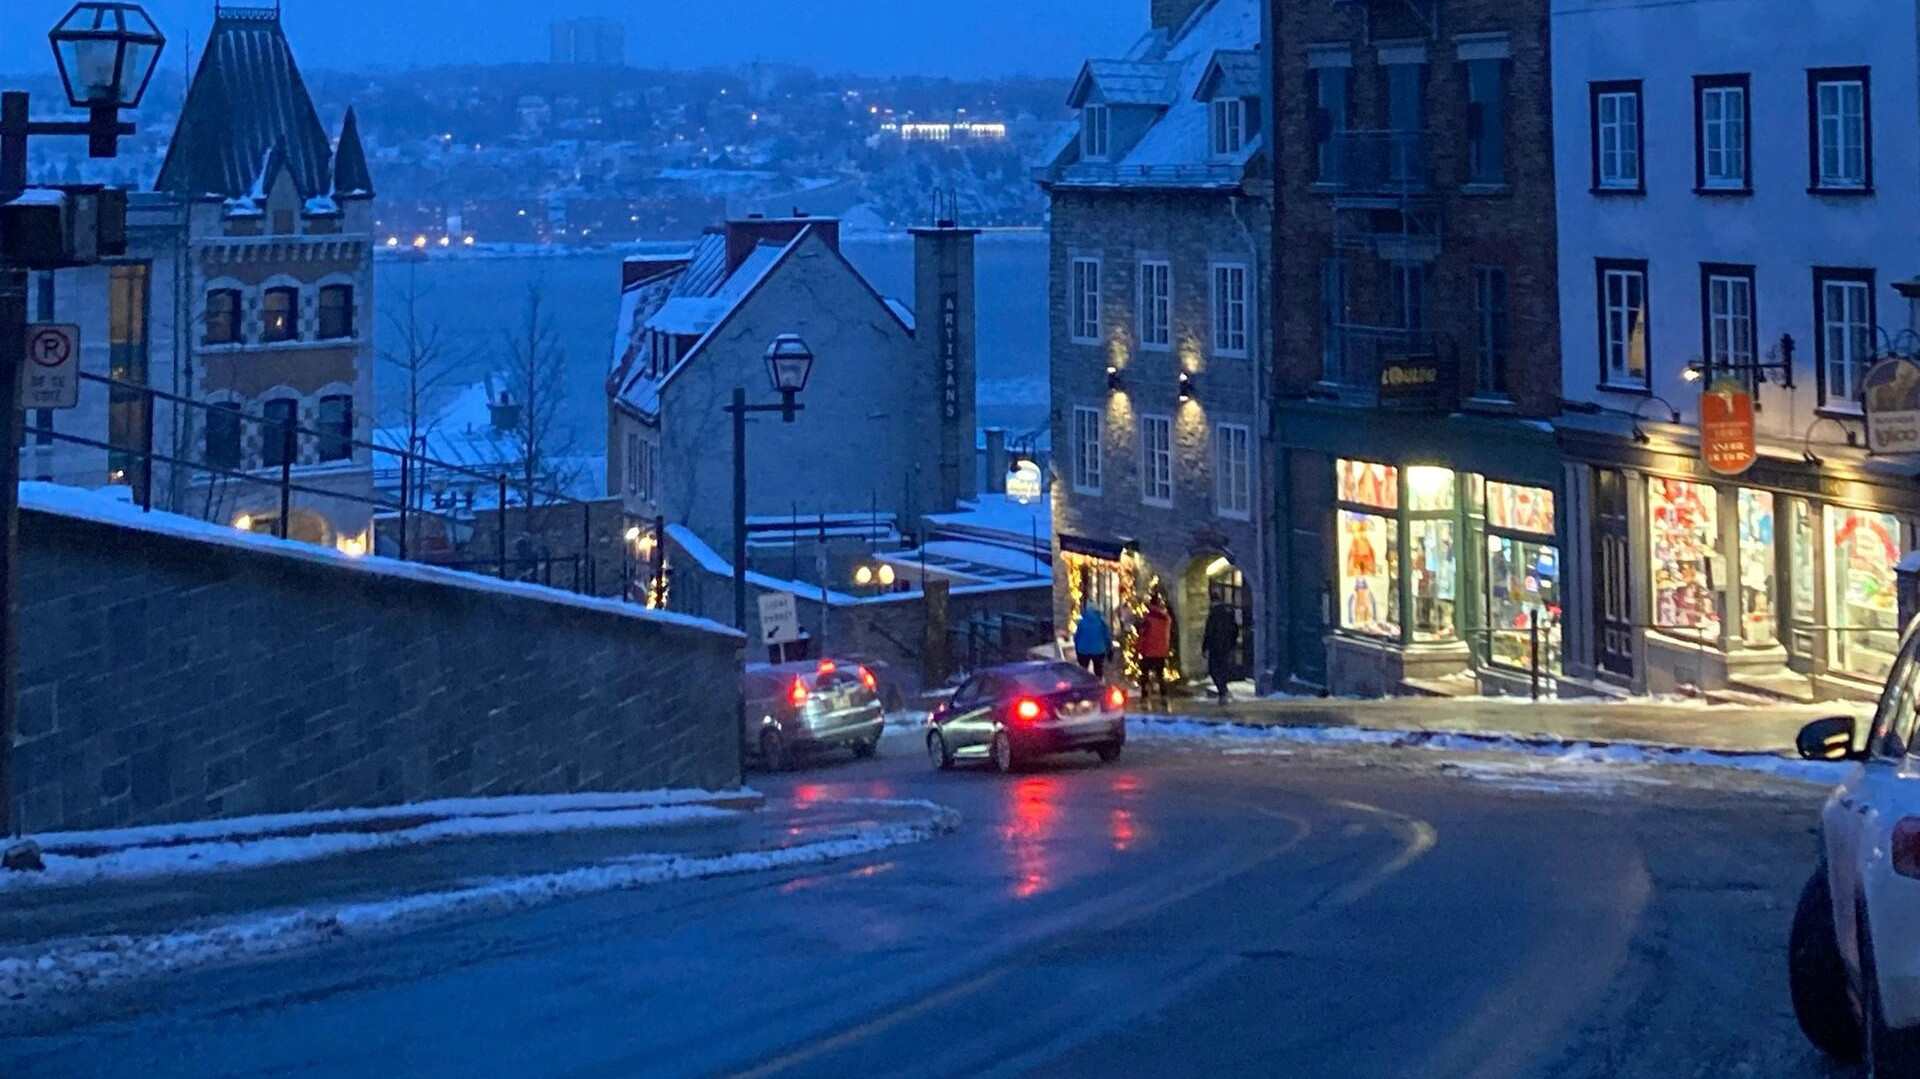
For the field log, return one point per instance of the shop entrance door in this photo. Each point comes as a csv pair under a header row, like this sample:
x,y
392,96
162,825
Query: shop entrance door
x,y
1612,595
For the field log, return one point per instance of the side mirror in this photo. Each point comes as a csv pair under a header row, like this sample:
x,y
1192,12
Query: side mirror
x,y
1829,739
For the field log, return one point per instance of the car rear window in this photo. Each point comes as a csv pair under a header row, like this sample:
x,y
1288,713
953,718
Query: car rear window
x,y
1052,678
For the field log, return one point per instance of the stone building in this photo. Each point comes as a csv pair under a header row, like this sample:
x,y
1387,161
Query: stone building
x,y
1159,343
1417,349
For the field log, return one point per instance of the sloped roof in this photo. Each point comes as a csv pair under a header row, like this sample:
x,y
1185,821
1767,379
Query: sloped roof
x,y
1231,73
247,99
1125,82
351,180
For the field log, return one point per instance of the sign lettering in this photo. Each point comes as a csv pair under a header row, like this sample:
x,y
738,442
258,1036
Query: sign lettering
x,y
51,377
1891,396
1726,427
950,355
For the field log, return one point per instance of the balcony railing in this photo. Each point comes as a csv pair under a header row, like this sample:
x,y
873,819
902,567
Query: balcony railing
x,y
1207,174
1390,367
1379,164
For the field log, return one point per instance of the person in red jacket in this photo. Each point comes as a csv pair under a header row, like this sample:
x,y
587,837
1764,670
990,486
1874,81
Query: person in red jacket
x,y
1155,644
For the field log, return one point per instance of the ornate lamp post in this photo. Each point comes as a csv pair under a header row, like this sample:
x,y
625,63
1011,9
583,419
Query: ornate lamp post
x,y
106,53
789,364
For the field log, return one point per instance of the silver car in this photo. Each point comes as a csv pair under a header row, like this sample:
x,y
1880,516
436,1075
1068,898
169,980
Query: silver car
x,y
794,709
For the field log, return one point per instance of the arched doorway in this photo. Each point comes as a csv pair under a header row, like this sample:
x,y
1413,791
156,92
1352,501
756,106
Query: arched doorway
x,y
1212,578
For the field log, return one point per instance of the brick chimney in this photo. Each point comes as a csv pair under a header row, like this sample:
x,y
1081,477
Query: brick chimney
x,y
745,234
943,310
1171,15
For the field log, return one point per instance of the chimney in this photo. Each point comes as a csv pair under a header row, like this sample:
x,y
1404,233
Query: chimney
x,y
943,317
745,234
505,413
1171,15
996,460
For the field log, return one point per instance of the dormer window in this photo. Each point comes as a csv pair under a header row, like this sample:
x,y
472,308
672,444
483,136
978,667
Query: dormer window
x,y
1093,132
1229,125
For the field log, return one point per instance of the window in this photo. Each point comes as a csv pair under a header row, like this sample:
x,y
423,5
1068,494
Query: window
x,y
1329,90
1230,309
633,463
1086,451
336,428
1689,580
1522,575
1843,310
1756,611
1617,143
278,434
129,411
1409,283
1156,304
1623,324
1727,328
1229,125
1368,548
1862,548
1093,132
336,311
1722,156
1333,319
1156,460
1233,471
643,481
223,317
1486,121
1490,318
1086,300
280,315
223,435
1840,129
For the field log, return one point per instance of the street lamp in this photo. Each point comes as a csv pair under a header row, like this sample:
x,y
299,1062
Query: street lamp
x,y
789,365
106,53
880,575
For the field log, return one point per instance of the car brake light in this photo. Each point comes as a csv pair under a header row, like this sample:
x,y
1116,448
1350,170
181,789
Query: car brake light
x,y
1116,699
1906,847
828,666
867,679
1027,708
797,693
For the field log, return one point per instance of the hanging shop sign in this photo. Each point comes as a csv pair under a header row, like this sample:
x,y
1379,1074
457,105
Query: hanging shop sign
x,y
1726,427
1023,483
1891,394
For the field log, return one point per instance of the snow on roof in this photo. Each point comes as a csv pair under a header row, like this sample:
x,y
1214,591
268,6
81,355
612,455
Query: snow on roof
x,y
1000,514
1126,82
1231,73
102,509
901,311
688,315
40,196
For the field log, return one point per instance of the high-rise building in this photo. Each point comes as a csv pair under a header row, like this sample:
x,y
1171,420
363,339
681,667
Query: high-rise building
x,y
589,41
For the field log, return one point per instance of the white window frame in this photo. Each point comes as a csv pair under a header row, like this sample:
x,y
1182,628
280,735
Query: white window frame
x,y
1620,315
1617,140
633,463
1855,299
1227,127
1730,331
1154,316
1840,133
1084,313
1233,471
1156,461
1724,136
1088,453
1096,132
1231,308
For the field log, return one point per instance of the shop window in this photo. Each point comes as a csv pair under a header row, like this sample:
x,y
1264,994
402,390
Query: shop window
x,y
1800,560
1369,574
1685,533
1429,489
1436,569
1369,484
1757,620
1514,508
1862,549
1523,576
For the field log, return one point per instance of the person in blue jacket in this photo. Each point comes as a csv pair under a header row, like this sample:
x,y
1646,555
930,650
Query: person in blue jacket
x,y
1093,640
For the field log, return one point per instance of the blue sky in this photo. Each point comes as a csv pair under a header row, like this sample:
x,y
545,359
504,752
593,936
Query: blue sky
x,y
952,37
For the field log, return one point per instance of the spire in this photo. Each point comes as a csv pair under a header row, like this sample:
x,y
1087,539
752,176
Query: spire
x,y
351,180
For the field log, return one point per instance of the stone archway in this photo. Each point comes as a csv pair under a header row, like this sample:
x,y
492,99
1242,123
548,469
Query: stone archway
x,y
1210,577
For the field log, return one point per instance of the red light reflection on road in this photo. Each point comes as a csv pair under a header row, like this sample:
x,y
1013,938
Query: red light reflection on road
x,y
1030,824
1122,828
806,794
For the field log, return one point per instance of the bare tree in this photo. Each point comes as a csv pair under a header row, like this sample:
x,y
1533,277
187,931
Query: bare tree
x,y
536,367
421,359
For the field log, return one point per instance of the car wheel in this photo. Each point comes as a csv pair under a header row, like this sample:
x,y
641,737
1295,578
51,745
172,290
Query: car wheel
x,y
938,753
1885,1052
1817,976
1003,757
863,750
1110,752
773,752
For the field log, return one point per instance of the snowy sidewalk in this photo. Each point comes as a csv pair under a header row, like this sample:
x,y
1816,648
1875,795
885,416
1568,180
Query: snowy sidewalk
x,y
1676,723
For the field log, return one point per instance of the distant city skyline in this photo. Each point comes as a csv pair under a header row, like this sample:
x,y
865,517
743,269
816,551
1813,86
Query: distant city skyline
x,y
984,38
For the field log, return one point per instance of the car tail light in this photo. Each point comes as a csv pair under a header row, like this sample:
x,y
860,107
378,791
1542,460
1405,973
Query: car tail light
x,y
1116,699
828,666
797,693
1906,847
1027,709
867,679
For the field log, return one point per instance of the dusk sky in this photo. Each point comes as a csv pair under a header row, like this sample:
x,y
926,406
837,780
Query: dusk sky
x,y
978,37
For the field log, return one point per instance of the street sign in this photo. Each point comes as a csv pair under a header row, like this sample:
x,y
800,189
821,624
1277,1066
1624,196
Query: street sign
x,y
1891,395
1726,427
779,618
51,377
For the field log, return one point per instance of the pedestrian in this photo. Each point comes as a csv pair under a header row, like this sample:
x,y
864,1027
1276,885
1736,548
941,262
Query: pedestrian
x,y
1218,642
1154,644
1093,640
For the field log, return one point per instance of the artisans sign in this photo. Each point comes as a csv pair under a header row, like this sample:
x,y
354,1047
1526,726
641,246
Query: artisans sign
x,y
1726,427
950,355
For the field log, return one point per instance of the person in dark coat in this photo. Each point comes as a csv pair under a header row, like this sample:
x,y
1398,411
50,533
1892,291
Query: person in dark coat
x,y
1218,642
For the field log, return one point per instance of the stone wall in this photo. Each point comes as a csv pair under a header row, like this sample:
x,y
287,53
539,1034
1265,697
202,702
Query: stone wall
x,y
171,677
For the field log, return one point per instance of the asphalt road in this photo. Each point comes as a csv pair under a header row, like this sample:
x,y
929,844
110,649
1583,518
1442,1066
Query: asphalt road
x,y
1185,912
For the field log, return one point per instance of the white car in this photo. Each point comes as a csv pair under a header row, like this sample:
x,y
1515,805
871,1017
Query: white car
x,y
1854,956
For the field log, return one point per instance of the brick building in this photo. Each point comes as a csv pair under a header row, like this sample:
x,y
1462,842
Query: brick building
x,y
1417,348
1158,342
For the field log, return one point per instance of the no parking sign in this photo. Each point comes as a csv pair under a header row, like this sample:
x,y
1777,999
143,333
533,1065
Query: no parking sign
x,y
51,378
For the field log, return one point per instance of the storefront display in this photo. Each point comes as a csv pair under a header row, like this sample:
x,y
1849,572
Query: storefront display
x,y
1367,484
1800,560
1369,578
1862,549
1684,525
1757,623
1523,576
1435,570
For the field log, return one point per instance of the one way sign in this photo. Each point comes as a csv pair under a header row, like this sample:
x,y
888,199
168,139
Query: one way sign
x,y
779,618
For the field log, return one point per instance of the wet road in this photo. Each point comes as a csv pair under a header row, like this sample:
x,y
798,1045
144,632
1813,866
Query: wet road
x,y
1185,912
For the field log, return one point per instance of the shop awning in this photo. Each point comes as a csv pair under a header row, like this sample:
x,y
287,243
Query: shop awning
x,y
1108,550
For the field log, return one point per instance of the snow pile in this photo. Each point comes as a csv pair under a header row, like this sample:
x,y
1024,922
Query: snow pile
x,y
78,965
1251,738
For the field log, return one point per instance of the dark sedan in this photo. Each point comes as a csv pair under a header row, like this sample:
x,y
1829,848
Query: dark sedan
x,y
1009,715
798,708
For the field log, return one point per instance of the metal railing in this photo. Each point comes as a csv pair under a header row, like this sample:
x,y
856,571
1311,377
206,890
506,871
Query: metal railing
x,y
1379,164
1365,359
227,465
